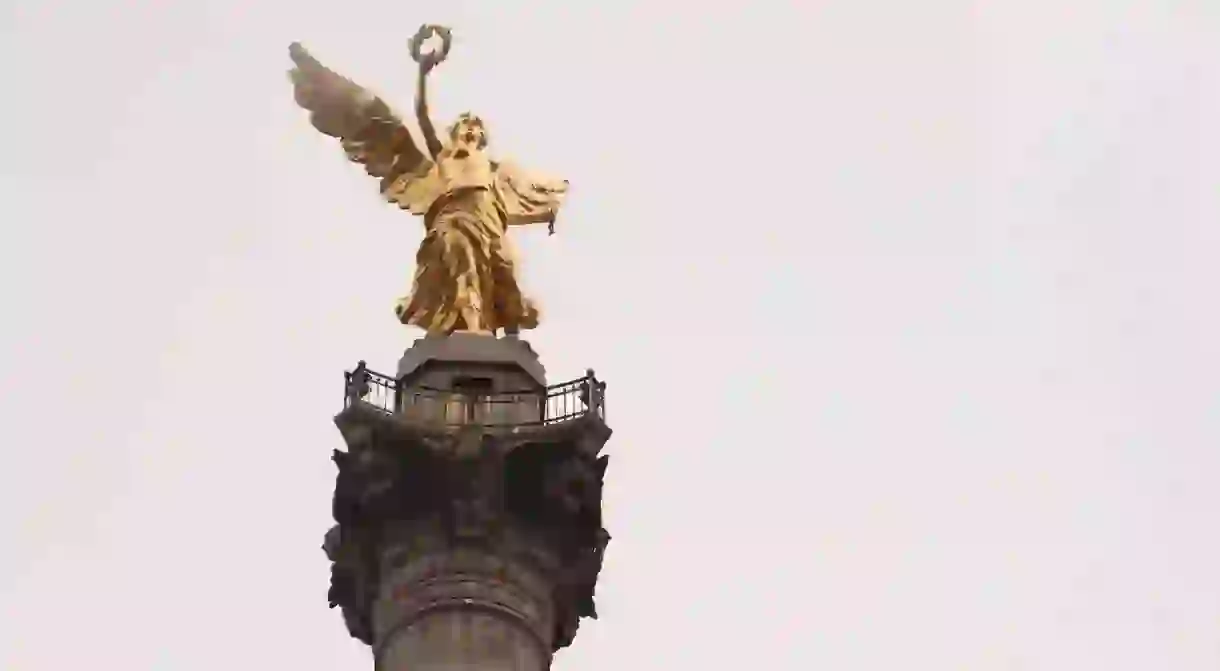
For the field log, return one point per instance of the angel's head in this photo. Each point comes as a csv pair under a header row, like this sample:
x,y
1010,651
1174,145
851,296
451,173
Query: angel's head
x,y
468,130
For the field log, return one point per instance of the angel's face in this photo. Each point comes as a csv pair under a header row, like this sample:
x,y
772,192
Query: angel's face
x,y
469,132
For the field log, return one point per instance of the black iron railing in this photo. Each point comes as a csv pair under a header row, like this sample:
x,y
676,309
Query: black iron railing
x,y
582,397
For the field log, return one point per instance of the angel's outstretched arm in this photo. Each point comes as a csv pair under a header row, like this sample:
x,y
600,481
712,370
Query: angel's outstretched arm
x,y
421,109
527,197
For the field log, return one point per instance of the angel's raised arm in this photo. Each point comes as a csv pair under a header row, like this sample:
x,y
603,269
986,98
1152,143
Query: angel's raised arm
x,y
369,131
421,112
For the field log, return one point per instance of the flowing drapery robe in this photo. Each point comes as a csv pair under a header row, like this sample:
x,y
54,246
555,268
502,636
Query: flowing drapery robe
x,y
465,277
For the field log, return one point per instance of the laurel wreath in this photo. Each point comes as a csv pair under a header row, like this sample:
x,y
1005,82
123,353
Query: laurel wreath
x,y
425,32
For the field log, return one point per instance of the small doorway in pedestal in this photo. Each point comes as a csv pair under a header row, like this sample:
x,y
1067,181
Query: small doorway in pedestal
x,y
472,399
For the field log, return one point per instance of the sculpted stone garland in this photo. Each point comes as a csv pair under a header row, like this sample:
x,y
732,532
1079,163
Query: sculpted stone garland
x,y
402,561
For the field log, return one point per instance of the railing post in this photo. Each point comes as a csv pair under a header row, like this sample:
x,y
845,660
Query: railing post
x,y
595,396
357,383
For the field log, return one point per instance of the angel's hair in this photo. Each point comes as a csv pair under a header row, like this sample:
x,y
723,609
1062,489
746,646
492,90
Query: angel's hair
x,y
468,118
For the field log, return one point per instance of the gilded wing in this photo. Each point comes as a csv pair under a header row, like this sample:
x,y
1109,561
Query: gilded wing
x,y
369,131
528,197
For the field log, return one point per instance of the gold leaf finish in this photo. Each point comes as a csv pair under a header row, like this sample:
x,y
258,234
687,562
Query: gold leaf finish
x,y
465,276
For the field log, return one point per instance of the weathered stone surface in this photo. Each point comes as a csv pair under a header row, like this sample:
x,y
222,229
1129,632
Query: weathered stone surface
x,y
469,546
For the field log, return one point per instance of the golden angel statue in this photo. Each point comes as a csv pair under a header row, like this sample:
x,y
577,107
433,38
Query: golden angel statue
x,y
465,278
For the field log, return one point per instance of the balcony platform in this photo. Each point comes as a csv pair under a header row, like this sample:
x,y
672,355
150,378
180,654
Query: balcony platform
x,y
464,382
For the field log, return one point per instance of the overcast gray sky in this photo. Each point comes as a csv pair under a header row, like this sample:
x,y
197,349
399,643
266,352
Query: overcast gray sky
x,y
907,313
